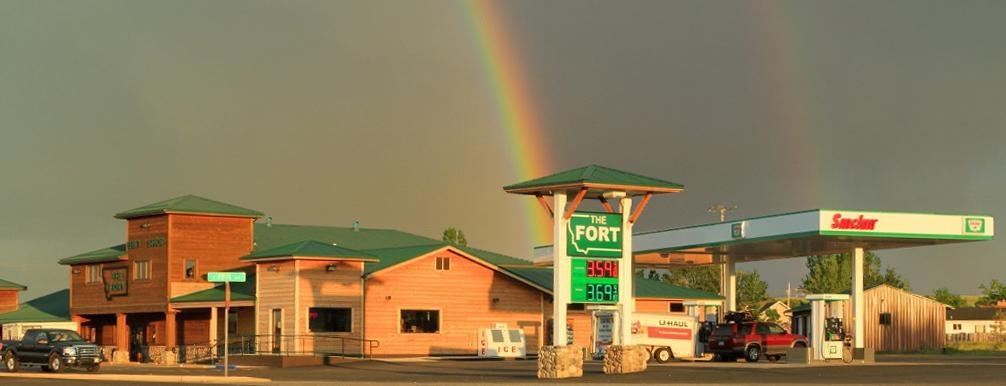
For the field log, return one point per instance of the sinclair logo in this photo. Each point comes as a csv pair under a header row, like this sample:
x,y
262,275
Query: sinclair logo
x,y
853,223
974,225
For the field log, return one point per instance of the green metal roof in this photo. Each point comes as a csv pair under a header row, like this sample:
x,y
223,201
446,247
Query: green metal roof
x,y
592,174
54,307
310,248
189,204
112,253
276,235
4,284
239,292
645,288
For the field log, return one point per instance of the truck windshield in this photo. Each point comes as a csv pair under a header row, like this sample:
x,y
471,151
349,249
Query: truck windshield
x,y
64,336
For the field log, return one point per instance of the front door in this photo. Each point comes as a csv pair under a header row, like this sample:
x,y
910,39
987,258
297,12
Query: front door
x,y
138,343
277,330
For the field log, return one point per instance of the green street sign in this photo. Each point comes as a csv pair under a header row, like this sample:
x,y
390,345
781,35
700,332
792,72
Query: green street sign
x,y
220,277
594,234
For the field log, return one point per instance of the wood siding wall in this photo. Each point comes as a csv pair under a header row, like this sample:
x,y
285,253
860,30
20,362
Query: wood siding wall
x,y
8,300
340,288
149,295
276,290
464,295
215,242
917,323
658,306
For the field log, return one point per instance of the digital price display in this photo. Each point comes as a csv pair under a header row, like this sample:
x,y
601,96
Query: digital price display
x,y
594,281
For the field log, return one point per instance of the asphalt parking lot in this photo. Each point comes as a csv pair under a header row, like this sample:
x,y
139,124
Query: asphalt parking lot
x,y
920,369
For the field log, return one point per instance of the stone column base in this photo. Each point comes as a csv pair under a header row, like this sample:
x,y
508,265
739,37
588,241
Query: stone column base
x,y
556,362
625,359
120,356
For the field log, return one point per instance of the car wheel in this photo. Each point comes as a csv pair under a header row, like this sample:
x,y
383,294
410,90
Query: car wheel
x,y
55,363
93,368
11,363
662,355
799,345
752,354
772,358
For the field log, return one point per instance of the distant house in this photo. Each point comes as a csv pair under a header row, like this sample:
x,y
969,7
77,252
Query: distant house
x,y
974,320
781,312
49,311
896,320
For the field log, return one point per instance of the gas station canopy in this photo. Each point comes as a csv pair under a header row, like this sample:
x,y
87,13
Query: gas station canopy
x,y
805,233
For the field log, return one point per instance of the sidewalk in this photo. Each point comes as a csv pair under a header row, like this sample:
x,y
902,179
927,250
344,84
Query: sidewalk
x,y
186,379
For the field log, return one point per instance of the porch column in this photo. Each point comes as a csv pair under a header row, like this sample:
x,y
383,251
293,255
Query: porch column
x,y
171,330
121,339
214,325
858,328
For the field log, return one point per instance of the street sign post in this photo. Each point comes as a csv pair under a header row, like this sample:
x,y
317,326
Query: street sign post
x,y
227,278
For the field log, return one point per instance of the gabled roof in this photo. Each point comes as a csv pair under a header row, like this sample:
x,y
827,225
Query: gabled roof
x,y
645,288
311,248
239,292
113,253
268,236
393,256
9,285
189,204
974,313
595,176
54,307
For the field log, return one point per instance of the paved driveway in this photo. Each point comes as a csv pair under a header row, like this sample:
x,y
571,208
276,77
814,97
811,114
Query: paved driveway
x,y
922,369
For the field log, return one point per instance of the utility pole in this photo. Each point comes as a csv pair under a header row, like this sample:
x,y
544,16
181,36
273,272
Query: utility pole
x,y
722,210
788,293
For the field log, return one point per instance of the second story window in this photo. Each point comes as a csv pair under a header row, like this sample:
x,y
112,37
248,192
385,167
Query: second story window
x,y
443,264
93,273
141,270
190,268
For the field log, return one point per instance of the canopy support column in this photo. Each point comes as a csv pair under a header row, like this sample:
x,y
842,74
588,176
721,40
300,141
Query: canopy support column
x,y
857,298
562,277
626,298
728,283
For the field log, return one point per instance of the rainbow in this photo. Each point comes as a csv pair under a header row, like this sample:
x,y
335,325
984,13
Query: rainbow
x,y
788,91
514,104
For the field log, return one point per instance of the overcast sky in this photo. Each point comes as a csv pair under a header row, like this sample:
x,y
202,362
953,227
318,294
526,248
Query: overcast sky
x,y
327,112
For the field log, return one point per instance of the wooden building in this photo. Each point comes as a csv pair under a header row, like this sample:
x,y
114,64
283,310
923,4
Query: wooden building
x,y
9,295
310,289
896,320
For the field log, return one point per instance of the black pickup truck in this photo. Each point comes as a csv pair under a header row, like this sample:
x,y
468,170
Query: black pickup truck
x,y
53,349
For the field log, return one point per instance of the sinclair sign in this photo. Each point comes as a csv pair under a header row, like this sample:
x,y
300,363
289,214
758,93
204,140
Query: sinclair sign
x,y
894,224
593,234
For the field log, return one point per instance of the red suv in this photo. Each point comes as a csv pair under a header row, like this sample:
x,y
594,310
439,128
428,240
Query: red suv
x,y
752,340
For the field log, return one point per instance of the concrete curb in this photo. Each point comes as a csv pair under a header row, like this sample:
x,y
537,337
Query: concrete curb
x,y
140,378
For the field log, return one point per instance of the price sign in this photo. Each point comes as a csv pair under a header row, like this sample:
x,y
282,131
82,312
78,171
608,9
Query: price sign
x,y
594,281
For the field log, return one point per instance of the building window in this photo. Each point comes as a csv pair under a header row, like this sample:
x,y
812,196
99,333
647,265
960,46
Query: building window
x,y
330,319
420,321
94,273
443,264
141,270
885,319
190,268
677,307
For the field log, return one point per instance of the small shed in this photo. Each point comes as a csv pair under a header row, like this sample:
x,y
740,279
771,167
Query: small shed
x,y
49,311
895,320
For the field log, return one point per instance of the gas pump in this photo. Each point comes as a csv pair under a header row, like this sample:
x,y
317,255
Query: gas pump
x,y
827,333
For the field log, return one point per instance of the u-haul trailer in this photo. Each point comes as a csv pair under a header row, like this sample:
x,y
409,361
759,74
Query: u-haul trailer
x,y
666,336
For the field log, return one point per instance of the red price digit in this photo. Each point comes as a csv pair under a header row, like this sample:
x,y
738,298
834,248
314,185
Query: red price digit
x,y
614,269
590,268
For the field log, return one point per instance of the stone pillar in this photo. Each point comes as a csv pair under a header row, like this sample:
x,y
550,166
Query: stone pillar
x,y
121,354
